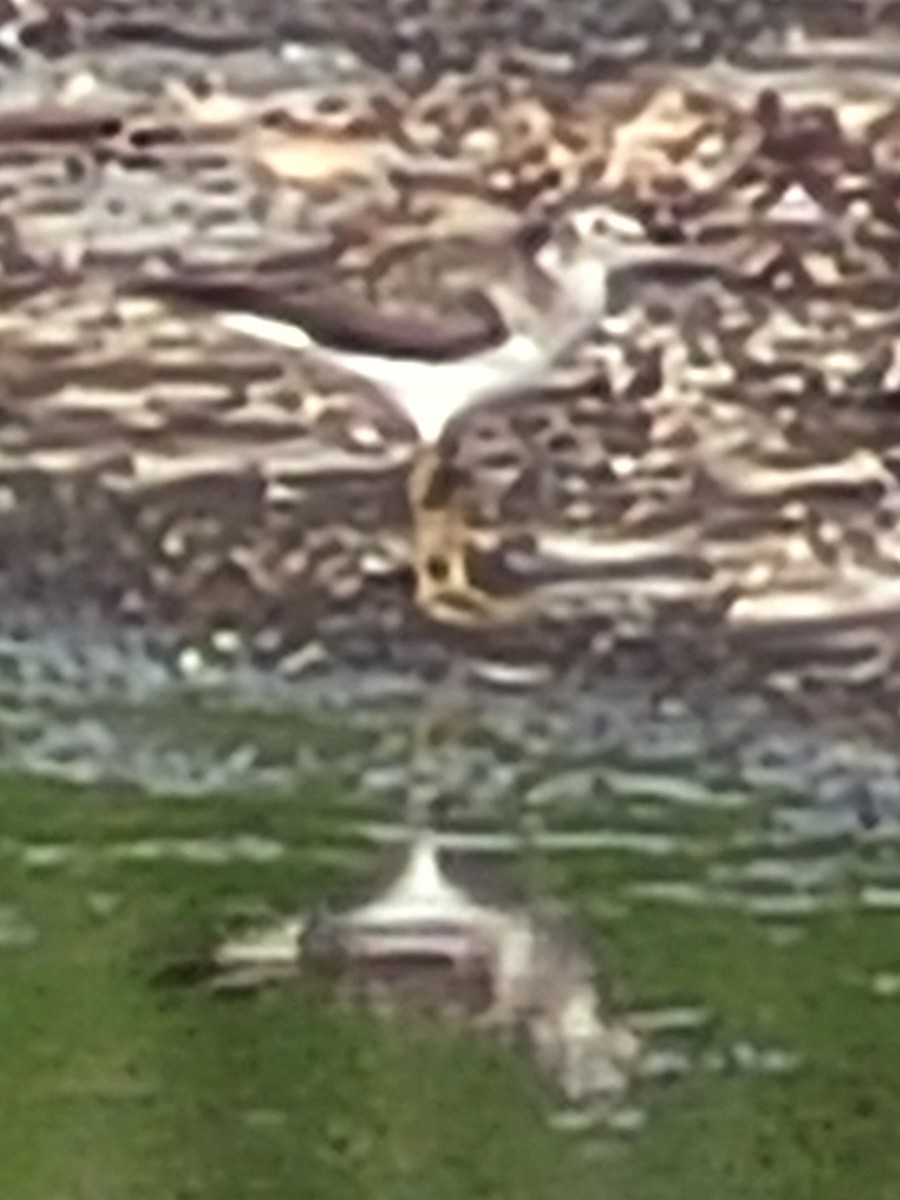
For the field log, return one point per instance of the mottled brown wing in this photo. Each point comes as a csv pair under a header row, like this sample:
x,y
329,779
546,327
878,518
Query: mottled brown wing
x,y
338,320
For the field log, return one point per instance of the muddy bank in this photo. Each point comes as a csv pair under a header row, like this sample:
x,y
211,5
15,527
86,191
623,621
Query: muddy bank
x,y
705,490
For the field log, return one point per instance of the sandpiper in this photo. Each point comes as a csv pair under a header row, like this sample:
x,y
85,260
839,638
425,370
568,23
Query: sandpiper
x,y
502,340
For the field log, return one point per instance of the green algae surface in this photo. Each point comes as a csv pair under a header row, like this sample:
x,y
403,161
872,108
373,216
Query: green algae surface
x,y
117,1083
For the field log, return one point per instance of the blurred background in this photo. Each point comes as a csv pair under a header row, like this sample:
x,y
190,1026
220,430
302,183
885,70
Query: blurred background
x,y
673,709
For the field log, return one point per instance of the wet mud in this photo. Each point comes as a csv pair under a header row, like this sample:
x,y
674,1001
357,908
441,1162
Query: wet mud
x,y
705,489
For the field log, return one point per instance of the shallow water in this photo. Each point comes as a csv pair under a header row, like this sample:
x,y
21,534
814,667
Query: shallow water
x,y
741,915
732,865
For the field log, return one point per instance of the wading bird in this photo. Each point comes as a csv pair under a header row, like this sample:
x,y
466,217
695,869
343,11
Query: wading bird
x,y
503,340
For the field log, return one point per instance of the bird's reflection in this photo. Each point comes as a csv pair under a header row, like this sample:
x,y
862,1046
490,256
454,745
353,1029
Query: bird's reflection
x,y
427,943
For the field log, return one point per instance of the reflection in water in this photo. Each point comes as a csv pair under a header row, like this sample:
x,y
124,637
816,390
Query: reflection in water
x,y
426,944
627,818
703,495
16,931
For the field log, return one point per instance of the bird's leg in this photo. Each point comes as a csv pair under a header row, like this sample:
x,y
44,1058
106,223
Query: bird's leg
x,y
419,795
441,545
437,723
439,531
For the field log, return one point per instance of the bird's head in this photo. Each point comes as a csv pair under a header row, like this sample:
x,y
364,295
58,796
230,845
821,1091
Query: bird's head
x,y
595,243
618,240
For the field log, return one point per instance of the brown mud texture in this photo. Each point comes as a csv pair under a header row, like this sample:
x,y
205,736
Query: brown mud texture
x,y
707,482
